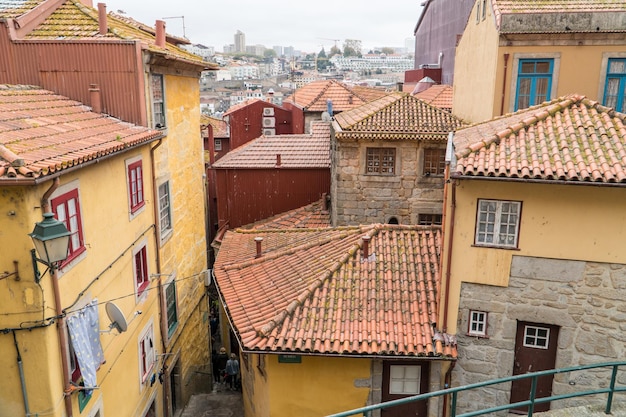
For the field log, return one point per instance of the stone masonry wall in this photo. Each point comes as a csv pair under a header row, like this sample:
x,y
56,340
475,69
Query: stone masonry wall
x,y
361,198
587,300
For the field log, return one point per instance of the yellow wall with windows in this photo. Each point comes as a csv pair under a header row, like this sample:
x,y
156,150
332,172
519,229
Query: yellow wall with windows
x,y
104,271
179,161
557,221
480,89
317,386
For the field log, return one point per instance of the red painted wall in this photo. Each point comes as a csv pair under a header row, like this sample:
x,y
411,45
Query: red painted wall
x,y
247,122
245,196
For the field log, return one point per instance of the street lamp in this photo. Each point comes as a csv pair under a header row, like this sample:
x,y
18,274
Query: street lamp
x,y
51,239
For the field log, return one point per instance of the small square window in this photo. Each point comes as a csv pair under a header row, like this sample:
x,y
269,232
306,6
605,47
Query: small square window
x,y
428,219
536,337
477,325
381,161
434,162
404,379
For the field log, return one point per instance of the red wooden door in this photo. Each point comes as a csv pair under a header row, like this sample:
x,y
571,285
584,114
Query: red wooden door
x,y
535,350
404,379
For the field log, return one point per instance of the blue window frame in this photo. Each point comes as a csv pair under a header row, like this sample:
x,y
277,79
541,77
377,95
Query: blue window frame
x,y
534,81
615,82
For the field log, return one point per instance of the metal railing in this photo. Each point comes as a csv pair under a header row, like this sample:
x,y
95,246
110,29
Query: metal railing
x,y
530,403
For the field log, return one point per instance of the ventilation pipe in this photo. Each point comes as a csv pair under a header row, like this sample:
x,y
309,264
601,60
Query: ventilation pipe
x,y
102,18
366,247
278,161
160,33
259,248
95,98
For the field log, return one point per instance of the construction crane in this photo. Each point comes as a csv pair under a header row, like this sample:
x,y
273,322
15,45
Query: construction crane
x,y
328,39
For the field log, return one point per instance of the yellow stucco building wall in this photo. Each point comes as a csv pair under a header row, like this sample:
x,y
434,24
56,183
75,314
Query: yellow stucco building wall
x,y
485,83
557,222
314,387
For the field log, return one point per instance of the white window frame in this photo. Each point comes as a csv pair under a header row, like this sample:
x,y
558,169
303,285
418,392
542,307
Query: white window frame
x,y
218,144
146,338
536,338
556,69
165,233
400,383
475,321
497,217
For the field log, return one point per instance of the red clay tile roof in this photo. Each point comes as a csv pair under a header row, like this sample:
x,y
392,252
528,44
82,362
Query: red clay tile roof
x,y
439,95
42,133
311,216
310,150
15,8
396,116
312,291
75,21
570,139
368,93
541,16
313,96
220,127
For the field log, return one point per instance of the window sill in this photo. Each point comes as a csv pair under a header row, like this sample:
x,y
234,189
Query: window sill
x,y
477,245
478,336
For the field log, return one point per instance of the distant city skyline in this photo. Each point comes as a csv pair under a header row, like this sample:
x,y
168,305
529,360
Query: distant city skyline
x,y
272,23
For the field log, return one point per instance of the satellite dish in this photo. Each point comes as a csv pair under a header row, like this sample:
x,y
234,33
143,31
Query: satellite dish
x,y
118,321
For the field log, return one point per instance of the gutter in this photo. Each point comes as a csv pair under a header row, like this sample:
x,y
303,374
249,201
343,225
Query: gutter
x,y
456,176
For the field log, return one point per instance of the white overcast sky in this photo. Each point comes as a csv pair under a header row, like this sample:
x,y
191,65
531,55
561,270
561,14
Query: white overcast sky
x,y
301,24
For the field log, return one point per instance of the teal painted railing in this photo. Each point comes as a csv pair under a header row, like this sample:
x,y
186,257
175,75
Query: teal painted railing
x,y
530,403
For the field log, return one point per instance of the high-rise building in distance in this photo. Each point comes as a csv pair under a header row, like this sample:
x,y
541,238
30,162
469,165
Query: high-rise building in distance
x,y
240,42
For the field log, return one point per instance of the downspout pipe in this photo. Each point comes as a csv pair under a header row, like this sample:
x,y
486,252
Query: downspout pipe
x,y
162,315
450,185
20,368
506,66
61,326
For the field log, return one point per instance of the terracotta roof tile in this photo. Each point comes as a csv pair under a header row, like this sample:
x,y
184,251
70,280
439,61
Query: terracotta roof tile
x,y
368,93
296,151
42,133
14,8
313,97
541,16
315,291
396,116
220,127
570,139
75,21
311,216
439,95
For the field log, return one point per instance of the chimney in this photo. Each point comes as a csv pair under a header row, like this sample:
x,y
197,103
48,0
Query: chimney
x,y
160,33
95,98
102,18
259,250
366,247
278,160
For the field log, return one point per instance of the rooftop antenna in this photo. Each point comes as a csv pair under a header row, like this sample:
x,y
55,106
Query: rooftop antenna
x,y
178,17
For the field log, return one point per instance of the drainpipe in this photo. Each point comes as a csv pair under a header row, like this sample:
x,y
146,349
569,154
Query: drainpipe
x,y
61,327
506,61
20,367
446,299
